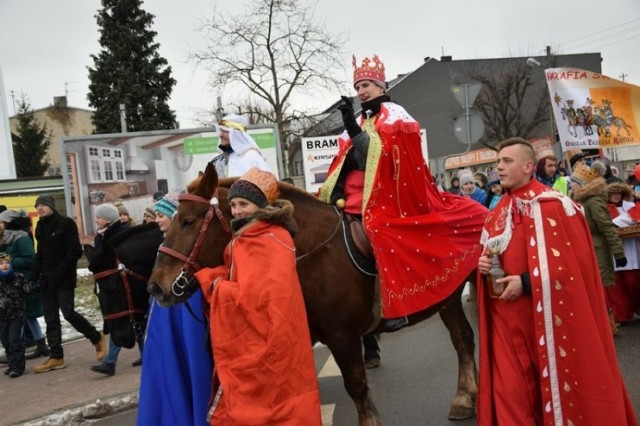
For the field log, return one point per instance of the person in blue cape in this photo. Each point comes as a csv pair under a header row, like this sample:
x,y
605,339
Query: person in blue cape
x,y
177,368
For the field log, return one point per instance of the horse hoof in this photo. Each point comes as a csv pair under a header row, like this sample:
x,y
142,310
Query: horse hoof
x,y
461,413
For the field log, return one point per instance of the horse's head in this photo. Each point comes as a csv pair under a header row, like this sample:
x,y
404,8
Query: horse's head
x,y
197,238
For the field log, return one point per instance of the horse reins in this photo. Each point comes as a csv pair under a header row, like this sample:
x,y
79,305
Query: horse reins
x,y
325,242
124,274
182,281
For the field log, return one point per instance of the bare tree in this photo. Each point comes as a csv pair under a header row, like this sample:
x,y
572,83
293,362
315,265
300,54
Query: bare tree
x,y
275,50
512,102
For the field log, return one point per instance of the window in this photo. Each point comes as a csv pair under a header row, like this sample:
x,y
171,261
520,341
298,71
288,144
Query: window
x,y
105,164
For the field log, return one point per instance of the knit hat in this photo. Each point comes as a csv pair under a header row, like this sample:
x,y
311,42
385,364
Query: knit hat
x,y
169,203
123,210
5,256
257,186
47,200
371,69
148,212
8,216
108,212
466,178
584,174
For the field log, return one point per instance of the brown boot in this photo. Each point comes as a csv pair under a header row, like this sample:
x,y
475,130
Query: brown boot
x,y
101,347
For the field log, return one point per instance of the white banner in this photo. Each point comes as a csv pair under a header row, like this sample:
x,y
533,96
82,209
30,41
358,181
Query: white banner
x,y
592,110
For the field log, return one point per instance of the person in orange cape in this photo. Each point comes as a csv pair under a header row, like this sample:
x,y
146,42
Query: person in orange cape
x,y
425,242
260,337
546,350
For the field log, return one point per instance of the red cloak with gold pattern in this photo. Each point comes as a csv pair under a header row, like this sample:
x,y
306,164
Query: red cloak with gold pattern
x,y
425,242
576,379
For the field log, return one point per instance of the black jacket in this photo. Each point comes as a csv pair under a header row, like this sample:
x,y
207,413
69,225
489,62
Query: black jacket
x,y
114,229
12,295
58,252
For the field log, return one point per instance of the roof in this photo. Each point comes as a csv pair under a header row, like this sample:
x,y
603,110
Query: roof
x,y
426,94
146,140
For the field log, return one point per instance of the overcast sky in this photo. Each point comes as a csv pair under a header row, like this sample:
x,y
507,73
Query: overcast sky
x,y
46,44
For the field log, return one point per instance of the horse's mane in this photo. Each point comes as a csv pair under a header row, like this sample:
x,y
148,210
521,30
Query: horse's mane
x,y
102,260
117,239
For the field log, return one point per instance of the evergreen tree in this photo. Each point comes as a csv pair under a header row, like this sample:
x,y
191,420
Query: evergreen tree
x,y
128,70
32,144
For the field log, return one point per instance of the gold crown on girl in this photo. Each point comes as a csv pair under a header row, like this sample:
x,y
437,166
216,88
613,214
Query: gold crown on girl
x,y
371,69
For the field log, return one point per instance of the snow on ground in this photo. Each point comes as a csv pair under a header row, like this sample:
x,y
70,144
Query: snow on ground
x,y
89,413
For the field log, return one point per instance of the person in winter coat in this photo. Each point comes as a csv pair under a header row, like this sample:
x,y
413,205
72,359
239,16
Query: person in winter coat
x,y
455,186
624,297
13,287
547,172
110,224
16,240
55,269
258,323
470,189
589,188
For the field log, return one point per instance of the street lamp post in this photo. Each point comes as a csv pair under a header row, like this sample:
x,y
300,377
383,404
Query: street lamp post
x,y
532,62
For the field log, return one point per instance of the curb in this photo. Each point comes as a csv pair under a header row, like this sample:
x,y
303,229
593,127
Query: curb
x,y
88,413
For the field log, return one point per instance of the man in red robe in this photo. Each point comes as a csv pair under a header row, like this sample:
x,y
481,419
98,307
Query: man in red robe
x,y
546,351
425,242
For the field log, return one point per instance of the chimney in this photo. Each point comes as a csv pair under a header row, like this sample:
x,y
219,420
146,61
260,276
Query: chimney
x,y
60,101
445,58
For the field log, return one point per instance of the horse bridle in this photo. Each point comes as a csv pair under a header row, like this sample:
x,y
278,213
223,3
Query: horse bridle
x,y
124,273
182,282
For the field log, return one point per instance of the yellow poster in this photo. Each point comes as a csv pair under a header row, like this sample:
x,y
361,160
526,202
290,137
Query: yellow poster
x,y
592,110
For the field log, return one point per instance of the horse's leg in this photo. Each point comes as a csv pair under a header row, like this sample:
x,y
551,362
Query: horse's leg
x,y
454,318
346,348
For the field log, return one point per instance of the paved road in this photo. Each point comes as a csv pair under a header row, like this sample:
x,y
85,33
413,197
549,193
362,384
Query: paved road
x,y
416,381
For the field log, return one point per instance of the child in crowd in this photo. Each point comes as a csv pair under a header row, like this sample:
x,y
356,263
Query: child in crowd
x,y
12,310
258,322
125,219
470,189
149,215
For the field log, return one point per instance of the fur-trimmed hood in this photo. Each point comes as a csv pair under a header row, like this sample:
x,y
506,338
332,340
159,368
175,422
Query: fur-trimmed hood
x,y
281,213
620,188
595,188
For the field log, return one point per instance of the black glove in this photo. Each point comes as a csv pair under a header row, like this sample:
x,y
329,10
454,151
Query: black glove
x,y
349,117
621,262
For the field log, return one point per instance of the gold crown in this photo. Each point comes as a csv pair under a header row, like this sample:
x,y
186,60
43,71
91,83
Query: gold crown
x,y
584,174
547,152
371,69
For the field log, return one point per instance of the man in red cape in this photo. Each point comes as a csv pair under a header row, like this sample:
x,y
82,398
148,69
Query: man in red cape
x,y
546,351
425,242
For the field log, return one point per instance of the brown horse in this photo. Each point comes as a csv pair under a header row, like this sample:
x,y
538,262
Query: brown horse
x,y
339,299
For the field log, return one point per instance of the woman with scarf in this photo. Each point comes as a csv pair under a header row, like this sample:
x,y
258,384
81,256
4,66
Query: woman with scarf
x,y
258,323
